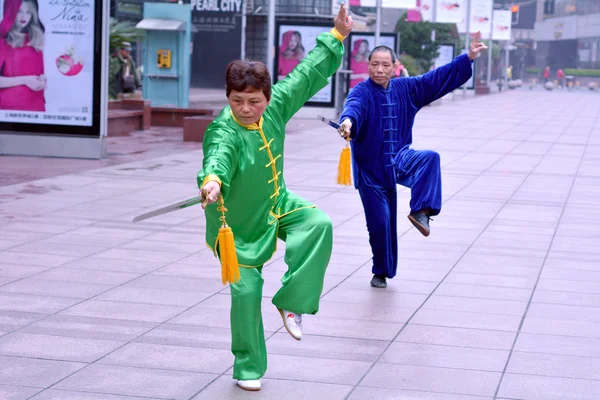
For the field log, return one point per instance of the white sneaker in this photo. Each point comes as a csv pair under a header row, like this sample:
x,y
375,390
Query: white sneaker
x,y
292,323
251,385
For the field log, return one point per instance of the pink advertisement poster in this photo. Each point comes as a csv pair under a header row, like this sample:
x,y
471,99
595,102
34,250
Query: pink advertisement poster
x,y
47,61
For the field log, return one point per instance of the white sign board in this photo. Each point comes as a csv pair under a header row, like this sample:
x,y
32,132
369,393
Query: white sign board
x,y
481,17
502,24
385,3
450,11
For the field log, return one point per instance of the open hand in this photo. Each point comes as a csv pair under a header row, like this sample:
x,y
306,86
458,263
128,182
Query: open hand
x,y
210,193
476,47
343,22
345,128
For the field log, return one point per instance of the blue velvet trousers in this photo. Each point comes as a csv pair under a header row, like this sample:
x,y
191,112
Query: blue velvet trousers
x,y
417,170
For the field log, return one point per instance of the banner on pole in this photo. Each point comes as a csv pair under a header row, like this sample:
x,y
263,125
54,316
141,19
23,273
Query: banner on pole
x,y
481,17
385,3
450,11
502,24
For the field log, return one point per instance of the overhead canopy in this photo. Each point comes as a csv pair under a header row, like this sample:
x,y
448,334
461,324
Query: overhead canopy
x,y
152,24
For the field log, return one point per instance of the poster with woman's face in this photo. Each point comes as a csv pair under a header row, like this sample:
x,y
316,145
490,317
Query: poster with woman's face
x,y
294,43
47,61
360,47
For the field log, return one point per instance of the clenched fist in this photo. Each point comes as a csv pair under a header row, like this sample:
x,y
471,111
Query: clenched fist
x,y
210,193
345,128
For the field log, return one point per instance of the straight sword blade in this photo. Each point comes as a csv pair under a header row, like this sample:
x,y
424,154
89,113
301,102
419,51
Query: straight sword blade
x,y
328,122
173,207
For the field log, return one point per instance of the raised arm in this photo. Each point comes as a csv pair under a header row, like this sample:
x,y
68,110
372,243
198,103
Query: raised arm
x,y
435,84
220,161
312,74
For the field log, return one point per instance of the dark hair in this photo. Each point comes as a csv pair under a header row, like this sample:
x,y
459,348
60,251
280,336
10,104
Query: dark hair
x,y
242,74
382,49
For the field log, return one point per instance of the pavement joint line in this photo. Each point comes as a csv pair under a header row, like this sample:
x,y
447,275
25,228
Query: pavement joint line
x,y
522,322
458,261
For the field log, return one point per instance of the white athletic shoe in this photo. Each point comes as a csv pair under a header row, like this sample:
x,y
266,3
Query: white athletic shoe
x,y
251,385
292,323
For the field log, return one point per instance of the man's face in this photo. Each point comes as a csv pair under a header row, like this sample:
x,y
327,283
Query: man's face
x,y
381,67
125,52
248,106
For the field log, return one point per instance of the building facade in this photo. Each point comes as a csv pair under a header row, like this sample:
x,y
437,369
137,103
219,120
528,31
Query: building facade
x,y
569,37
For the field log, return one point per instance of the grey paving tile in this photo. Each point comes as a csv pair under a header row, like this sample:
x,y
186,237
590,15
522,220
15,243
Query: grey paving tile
x,y
124,311
547,388
568,286
461,319
490,280
33,372
549,326
10,392
483,292
451,303
368,393
39,260
225,388
463,337
34,304
558,311
566,298
156,281
445,356
351,328
395,285
59,249
104,264
55,347
11,320
563,366
326,347
53,394
19,271
560,345
314,369
168,357
190,336
444,380
38,287
87,276
366,312
140,255
142,382
166,247
154,296
375,297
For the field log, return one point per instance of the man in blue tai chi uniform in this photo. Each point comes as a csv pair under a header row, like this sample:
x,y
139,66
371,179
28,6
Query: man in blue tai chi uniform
x,y
378,117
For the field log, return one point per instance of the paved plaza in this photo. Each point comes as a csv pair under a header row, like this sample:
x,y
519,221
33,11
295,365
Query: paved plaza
x,y
502,301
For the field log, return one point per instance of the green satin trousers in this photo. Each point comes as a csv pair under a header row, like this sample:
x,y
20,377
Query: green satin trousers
x,y
308,234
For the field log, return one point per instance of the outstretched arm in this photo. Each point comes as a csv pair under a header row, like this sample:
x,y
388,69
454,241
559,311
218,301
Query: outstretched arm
x,y
435,84
313,73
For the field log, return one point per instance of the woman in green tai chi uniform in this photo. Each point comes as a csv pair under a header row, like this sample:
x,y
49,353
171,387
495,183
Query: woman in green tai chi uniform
x,y
243,169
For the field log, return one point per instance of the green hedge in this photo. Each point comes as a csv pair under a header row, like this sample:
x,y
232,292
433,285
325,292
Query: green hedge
x,y
582,72
533,70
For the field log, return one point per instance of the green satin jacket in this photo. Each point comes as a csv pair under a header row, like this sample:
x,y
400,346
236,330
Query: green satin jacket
x,y
248,162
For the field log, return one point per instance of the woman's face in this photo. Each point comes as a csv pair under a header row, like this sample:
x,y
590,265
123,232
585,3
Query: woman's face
x,y
24,15
248,106
294,40
363,47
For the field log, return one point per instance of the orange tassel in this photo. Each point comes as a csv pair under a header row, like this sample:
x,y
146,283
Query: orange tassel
x,y
344,167
230,269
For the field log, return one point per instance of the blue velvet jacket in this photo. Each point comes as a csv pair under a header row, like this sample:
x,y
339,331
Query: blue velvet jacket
x,y
382,118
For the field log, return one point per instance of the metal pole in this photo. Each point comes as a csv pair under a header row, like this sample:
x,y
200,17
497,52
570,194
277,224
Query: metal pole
x,y
271,39
490,46
378,23
506,66
243,52
467,37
